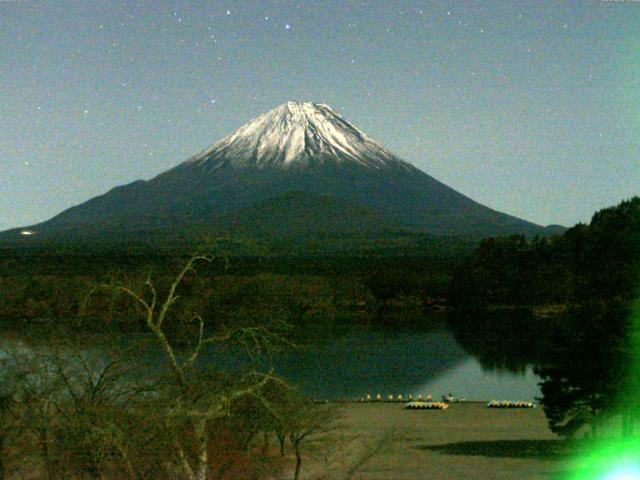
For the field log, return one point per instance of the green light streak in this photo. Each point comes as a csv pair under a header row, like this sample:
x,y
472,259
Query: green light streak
x,y
609,459
613,458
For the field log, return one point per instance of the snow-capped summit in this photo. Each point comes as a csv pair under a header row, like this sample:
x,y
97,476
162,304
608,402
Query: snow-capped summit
x,y
296,134
298,169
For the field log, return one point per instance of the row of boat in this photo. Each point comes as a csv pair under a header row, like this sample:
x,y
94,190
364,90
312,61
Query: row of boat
x,y
509,404
427,405
396,398
427,402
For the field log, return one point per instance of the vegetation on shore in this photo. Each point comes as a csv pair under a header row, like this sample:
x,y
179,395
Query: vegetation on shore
x,y
69,410
50,289
582,287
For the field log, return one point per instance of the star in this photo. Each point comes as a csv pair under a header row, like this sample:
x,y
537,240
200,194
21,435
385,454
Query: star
x,y
287,26
228,12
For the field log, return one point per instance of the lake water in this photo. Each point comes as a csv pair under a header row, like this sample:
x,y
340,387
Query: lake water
x,y
410,362
371,361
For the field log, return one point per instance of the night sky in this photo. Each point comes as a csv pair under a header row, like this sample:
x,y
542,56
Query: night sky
x,y
529,107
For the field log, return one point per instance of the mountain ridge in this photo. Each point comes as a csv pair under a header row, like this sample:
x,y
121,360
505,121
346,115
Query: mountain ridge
x,y
296,147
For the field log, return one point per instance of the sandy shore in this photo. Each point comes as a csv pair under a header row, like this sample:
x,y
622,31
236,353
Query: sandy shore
x,y
383,441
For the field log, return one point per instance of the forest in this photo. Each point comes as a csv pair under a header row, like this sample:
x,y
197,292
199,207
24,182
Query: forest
x,y
563,304
50,287
566,304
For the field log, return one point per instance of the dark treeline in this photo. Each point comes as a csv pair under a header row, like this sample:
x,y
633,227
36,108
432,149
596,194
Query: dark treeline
x,y
566,305
596,261
42,286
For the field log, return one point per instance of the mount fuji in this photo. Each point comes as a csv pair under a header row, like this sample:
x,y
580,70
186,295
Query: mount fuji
x,y
300,168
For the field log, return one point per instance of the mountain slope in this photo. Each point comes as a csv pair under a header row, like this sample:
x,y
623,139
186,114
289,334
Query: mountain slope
x,y
304,214
297,147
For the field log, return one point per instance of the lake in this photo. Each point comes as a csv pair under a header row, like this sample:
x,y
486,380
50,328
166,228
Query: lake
x,y
366,360
374,360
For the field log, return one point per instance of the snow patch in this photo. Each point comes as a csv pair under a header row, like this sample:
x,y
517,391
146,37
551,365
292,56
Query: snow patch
x,y
292,134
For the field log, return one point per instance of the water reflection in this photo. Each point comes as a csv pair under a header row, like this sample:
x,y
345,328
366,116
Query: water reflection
x,y
373,362
469,380
353,364
503,341
386,362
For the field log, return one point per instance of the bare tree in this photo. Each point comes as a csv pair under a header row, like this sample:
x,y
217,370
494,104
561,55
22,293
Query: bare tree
x,y
8,415
193,399
38,389
307,423
299,420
